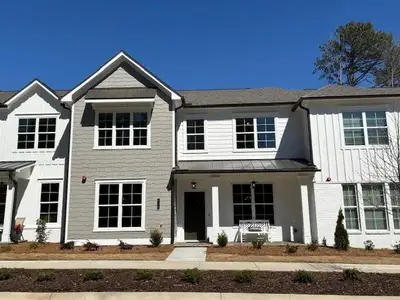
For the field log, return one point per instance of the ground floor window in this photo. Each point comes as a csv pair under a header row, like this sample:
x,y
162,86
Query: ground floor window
x,y
395,199
3,196
253,203
350,206
49,198
120,204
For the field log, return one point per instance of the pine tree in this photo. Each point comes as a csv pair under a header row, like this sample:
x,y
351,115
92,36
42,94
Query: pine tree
x,y
341,235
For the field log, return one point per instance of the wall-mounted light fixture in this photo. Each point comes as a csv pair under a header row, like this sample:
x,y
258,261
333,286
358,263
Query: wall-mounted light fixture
x,y
253,184
158,204
193,185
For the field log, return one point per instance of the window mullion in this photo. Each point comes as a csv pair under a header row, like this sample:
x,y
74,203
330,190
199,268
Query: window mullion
x,y
255,133
114,131
36,142
253,207
119,205
364,120
131,129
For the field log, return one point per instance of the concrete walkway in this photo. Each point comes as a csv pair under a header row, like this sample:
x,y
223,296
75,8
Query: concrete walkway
x,y
188,254
205,265
177,296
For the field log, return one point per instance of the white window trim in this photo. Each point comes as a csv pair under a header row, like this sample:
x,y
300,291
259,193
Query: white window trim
x,y
359,230
96,228
391,206
184,123
365,128
254,117
60,198
36,142
114,112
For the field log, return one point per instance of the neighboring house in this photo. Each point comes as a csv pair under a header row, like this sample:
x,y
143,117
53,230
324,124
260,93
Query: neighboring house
x,y
192,164
33,150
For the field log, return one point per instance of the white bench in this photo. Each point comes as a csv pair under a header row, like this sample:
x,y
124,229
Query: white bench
x,y
259,227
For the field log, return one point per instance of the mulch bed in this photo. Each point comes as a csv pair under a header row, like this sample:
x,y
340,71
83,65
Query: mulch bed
x,y
23,280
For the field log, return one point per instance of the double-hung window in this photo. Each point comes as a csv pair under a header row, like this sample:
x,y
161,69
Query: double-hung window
x,y
255,133
122,129
36,133
253,204
350,206
365,128
374,206
49,197
120,205
195,135
395,199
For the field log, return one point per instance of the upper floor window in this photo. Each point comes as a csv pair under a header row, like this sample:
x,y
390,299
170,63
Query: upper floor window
x,y
195,134
365,128
255,133
36,133
123,129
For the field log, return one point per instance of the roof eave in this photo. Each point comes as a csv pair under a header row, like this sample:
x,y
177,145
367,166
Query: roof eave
x,y
305,170
188,105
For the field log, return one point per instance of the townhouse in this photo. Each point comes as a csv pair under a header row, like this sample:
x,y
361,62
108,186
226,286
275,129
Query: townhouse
x,y
123,153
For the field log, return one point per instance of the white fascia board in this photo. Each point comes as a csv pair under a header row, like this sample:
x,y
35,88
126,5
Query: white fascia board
x,y
141,100
68,97
34,83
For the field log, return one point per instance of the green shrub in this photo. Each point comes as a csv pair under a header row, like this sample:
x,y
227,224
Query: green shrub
x,y
45,275
258,243
5,248
396,248
156,237
34,245
4,274
291,249
192,275
369,245
89,246
341,235
41,231
313,246
244,276
93,275
302,276
352,274
144,275
222,239
68,246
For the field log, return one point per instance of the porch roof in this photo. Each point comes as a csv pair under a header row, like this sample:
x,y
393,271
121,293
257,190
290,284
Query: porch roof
x,y
8,166
245,166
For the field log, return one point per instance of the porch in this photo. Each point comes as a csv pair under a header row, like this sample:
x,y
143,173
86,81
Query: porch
x,y
209,202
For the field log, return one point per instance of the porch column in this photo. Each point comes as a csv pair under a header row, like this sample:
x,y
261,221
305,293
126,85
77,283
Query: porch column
x,y
305,209
7,230
215,212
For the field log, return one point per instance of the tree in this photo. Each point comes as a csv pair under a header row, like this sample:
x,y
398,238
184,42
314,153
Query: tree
x,y
341,235
388,75
353,55
41,231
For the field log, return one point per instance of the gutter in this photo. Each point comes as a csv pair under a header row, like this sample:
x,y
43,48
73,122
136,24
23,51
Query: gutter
x,y
14,207
300,104
65,191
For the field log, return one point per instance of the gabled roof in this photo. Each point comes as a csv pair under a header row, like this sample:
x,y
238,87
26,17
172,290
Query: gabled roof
x,y
108,68
237,97
121,93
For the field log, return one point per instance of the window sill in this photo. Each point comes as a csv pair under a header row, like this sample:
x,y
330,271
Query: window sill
x,y
195,152
254,150
49,226
377,232
22,151
354,232
113,229
365,147
122,148
397,231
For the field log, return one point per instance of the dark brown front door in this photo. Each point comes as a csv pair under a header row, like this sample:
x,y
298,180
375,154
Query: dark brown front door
x,y
3,195
195,223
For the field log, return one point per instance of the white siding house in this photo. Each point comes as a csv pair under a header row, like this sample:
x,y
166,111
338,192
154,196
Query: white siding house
x,y
33,150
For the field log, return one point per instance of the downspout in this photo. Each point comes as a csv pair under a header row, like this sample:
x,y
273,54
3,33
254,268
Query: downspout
x,y
173,185
14,207
300,104
65,191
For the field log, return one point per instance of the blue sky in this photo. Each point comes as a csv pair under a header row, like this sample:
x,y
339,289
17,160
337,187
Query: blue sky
x,y
189,44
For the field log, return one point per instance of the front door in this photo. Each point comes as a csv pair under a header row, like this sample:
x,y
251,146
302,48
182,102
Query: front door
x,y
3,195
195,223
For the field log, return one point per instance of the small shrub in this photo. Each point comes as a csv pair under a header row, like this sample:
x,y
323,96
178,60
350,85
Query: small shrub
x,y
324,242
124,246
369,245
244,276
304,277
352,274
222,239
144,275
341,235
89,246
313,246
68,246
192,275
45,275
4,274
156,237
396,247
291,249
34,245
258,243
5,248
41,231
93,275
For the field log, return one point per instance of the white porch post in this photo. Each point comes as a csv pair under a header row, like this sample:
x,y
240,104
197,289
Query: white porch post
x,y
215,212
305,209
6,236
